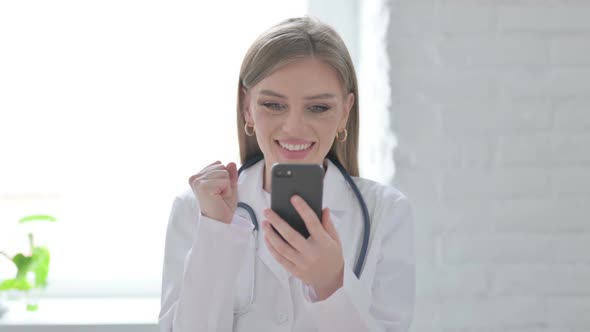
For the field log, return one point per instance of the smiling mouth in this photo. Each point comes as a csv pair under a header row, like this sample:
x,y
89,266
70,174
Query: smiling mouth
x,y
295,147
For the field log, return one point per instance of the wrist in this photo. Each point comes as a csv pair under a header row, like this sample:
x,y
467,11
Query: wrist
x,y
324,292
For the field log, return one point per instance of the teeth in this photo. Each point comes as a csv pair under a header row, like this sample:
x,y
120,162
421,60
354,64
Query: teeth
x,y
295,147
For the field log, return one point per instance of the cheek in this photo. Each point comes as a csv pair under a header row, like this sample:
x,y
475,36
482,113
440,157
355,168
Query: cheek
x,y
265,127
326,129
264,123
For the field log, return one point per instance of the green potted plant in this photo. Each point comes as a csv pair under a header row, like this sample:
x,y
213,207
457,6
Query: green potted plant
x,y
32,268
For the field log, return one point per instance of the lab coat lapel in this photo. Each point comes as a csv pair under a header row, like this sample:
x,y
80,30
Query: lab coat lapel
x,y
250,191
337,193
340,199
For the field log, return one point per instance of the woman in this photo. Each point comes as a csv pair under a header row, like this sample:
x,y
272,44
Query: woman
x,y
297,103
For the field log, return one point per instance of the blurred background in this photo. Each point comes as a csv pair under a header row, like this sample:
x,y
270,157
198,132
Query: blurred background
x,y
491,109
478,110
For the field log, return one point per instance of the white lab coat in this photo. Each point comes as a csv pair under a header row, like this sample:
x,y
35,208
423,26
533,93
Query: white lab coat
x,y
208,266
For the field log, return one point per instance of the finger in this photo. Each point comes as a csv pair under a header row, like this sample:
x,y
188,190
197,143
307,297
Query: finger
x,y
210,167
290,235
214,186
212,175
214,166
204,171
288,265
282,247
309,217
233,174
329,225
217,174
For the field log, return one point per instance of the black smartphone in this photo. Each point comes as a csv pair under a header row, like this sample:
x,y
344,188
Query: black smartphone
x,y
305,180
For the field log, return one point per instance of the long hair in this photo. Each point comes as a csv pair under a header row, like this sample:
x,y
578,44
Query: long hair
x,y
288,41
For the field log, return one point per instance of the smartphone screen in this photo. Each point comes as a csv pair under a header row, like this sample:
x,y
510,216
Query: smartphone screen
x,y
305,180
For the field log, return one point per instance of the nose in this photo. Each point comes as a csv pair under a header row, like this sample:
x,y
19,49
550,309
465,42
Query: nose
x,y
294,122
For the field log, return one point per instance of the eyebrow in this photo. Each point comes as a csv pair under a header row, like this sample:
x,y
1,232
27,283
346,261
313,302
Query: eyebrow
x,y
278,95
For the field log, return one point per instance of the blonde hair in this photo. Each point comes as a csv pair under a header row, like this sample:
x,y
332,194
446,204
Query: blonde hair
x,y
288,41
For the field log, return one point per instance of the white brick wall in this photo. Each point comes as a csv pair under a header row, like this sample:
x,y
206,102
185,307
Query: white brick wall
x,y
491,108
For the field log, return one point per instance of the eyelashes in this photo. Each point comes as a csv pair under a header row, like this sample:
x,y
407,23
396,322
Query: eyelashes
x,y
319,108
274,106
281,107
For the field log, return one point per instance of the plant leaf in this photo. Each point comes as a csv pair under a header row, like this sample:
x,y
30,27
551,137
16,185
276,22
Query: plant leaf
x,y
16,283
22,263
40,265
37,217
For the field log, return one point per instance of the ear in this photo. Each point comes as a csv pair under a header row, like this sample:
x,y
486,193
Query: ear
x,y
246,105
348,104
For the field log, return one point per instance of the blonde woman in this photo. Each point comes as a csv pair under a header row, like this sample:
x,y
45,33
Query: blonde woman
x,y
297,103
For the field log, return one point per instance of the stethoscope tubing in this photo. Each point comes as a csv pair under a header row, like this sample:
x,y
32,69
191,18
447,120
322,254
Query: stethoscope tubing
x,y
365,211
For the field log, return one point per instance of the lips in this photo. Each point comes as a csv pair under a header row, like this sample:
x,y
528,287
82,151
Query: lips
x,y
294,149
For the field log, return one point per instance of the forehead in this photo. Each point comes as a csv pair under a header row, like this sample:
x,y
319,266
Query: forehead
x,y
303,77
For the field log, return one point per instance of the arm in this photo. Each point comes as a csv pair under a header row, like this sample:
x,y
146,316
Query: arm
x,y
200,262
389,307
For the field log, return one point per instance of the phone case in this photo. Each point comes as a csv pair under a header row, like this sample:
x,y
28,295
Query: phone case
x,y
305,180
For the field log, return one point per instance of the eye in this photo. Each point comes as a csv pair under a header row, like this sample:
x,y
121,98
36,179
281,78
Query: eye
x,y
274,106
319,108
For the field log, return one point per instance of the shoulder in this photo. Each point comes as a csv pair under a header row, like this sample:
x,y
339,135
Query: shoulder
x,y
388,207
378,192
184,213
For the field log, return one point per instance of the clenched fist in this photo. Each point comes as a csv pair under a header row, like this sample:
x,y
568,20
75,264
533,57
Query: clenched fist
x,y
216,188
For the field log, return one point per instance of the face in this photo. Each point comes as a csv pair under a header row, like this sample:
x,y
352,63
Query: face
x,y
297,110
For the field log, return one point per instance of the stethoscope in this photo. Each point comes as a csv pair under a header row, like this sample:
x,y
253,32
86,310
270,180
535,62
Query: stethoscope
x,y
366,220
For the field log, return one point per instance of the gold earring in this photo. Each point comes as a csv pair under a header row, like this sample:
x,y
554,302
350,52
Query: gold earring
x,y
248,133
344,136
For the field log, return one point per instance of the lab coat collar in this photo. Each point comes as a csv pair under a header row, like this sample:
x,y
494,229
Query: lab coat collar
x,y
337,193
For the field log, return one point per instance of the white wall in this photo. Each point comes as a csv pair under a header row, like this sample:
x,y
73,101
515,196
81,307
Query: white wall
x,y
491,108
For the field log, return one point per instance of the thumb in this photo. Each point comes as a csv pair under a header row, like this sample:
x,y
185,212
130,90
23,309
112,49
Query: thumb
x,y
329,225
233,174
